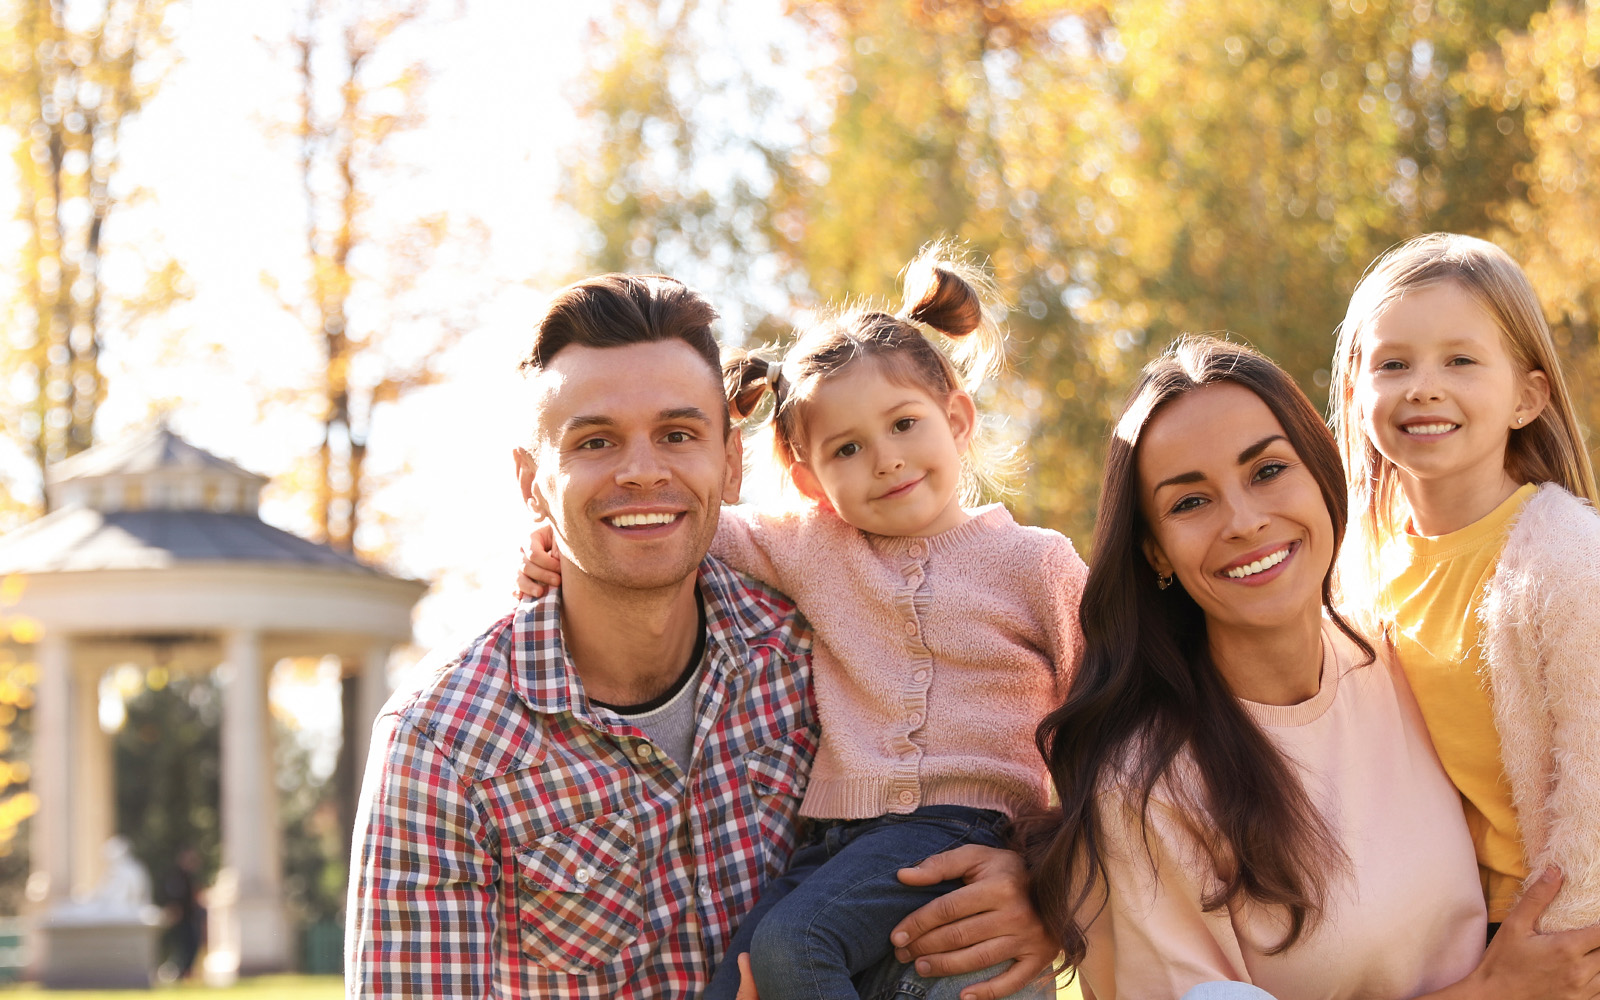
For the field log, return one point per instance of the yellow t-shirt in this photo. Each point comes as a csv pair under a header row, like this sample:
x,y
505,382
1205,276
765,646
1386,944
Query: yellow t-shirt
x,y
1433,586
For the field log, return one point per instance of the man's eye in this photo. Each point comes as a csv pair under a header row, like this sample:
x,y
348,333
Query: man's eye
x,y
846,450
593,444
904,424
679,437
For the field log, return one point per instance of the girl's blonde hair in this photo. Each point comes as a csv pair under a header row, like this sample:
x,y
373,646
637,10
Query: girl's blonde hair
x,y
946,338
1548,450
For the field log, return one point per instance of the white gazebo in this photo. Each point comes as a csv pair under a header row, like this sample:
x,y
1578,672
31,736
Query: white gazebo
x,y
154,553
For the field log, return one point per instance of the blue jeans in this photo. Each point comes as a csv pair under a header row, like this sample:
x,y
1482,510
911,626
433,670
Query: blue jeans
x,y
1226,991
827,919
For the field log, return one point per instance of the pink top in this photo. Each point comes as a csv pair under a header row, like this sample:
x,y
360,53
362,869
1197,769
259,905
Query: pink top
x,y
935,657
1407,917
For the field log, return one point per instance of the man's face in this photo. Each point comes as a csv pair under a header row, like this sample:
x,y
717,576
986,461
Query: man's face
x,y
630,461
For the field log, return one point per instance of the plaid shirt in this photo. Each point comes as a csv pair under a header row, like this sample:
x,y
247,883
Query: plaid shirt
x,y
629,875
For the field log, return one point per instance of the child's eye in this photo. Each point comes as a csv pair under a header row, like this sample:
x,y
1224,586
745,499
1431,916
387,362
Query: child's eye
x,y
846,450
904,424
1461,360
1390,366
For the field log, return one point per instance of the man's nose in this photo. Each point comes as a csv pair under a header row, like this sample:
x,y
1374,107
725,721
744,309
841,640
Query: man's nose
x,y
642,466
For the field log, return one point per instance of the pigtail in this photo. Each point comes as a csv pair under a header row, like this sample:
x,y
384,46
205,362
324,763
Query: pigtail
x,y
746,378
950,293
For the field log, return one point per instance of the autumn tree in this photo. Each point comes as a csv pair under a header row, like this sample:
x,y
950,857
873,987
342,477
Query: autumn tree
x,y
71,77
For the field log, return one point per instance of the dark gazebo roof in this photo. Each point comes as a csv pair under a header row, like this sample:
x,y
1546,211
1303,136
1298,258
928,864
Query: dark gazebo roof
x,y
153,501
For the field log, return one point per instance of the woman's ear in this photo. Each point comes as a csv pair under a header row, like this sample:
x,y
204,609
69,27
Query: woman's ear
x,y
1155,557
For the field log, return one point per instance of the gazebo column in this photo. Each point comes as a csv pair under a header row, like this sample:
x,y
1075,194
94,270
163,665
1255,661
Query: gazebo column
x,y
374,691
51,855
93,794
250,932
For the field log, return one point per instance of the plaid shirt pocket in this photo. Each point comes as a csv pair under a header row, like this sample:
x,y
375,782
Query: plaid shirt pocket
x,y
777,773
579,895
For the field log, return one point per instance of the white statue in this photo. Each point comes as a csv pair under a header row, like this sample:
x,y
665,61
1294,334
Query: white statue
x,y
125,887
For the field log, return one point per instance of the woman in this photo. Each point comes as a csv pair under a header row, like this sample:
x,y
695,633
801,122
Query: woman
x,y
1248,791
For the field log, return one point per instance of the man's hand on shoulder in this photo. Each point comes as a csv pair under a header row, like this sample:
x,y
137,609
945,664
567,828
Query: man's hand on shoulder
x,y
988,920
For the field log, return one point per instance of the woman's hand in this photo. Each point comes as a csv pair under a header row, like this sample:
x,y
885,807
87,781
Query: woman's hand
x,y
1520,962
540,571
986,921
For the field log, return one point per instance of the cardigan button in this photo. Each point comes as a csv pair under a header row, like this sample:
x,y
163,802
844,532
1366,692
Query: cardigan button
x,y
920,676
911,627
915,550
915,718
906,797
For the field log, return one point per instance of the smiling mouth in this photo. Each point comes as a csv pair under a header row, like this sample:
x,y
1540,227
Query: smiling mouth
x,y
902,489
1261,565
642,520
1429,430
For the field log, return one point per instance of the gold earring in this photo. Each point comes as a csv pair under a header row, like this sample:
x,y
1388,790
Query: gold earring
x,y
1163,580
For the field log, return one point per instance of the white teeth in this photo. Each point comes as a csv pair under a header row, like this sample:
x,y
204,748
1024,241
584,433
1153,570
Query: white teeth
x,y
1430,428
1264,563
633,520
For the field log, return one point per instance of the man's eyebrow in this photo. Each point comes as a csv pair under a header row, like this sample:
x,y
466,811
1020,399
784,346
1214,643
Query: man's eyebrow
x,y
584,421
1259,447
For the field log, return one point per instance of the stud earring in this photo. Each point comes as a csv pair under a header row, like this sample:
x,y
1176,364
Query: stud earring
x,y
1520,420
1163,580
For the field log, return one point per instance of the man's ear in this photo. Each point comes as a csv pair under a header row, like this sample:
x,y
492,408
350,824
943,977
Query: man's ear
x,y
962,414
734,478
525,473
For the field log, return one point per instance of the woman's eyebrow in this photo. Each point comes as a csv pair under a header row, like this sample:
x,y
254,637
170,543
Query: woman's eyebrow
x,y
1259,447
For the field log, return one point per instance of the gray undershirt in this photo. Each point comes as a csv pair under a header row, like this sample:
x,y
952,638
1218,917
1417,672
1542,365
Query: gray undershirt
x,y
671,726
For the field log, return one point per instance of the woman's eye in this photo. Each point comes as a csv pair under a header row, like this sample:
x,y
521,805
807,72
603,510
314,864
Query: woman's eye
x,y
1186,504
905,424
846,450
1271,470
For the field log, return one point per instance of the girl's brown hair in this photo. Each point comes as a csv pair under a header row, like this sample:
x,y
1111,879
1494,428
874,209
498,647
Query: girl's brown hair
x,y
1147,691
1548,450
946,296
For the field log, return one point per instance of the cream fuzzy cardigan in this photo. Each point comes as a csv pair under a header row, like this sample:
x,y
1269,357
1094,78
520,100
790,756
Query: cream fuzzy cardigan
x,y
935,658
1541,648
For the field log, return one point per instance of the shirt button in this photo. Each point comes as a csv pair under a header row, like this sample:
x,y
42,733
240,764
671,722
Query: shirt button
x,y
582,875
645,752
704,891
915,718
920,676
916,549
911,628
906,797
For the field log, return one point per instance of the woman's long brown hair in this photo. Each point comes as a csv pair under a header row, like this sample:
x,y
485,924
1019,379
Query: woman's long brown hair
x,y
1148,692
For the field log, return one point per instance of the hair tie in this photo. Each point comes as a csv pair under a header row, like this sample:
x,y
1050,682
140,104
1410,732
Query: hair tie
x,y
774,372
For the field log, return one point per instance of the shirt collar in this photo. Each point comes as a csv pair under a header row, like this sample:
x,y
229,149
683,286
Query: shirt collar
x,y
543,675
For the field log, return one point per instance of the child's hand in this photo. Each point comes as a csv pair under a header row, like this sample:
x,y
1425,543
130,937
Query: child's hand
x,y
747,981
540,571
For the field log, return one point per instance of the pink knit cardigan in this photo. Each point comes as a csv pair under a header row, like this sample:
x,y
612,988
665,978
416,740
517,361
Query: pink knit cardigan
x,y
935,657
1541,651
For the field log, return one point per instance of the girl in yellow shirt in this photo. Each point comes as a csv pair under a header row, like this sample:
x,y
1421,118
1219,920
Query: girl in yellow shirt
x,y
1474,545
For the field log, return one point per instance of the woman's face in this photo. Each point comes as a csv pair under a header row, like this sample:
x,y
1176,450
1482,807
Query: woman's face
x,y
1233,512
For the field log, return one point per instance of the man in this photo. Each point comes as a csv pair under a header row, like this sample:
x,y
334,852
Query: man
x,y
585,802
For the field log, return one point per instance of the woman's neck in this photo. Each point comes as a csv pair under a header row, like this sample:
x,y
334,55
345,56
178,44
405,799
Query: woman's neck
x,y
1281,665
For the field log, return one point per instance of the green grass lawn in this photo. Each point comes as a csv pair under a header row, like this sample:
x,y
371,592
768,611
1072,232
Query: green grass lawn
x,y
262,988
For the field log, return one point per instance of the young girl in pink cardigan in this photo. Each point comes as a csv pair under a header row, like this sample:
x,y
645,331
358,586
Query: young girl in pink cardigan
x,y
1470,495
943,633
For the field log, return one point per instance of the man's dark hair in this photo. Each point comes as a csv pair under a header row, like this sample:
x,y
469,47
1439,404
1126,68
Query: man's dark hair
x,y
615,310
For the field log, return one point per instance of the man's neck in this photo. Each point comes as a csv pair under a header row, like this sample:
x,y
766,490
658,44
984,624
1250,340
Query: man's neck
x,y
627,646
